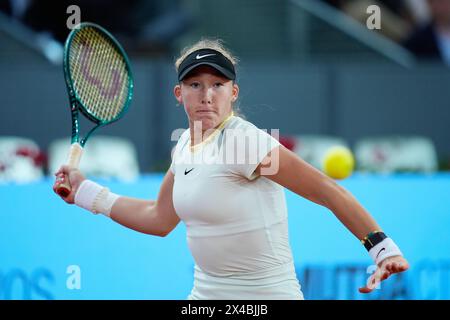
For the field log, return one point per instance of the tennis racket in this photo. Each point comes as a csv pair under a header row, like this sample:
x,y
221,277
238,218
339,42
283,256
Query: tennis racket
x,y
99,82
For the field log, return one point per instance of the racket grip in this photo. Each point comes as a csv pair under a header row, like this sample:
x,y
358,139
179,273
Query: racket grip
x,y
64,188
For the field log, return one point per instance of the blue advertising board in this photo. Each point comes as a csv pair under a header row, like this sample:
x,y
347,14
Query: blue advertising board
x,y
51,250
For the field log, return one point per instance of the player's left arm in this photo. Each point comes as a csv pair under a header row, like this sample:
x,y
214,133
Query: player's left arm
x,y
295,174
305,180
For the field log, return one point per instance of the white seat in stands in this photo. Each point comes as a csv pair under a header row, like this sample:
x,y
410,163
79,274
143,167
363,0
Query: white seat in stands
x,y
312,148
21,160
103,157
396,154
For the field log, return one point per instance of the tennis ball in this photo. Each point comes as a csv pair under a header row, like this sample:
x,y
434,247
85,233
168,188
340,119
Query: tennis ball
x,y
338,162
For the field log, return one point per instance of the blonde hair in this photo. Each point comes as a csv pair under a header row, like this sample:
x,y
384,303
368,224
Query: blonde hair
x,y
206,43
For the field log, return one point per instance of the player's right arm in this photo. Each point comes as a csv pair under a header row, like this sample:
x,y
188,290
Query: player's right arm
x,y
151,217
147,216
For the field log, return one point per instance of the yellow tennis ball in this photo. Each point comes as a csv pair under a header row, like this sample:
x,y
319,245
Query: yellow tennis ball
x,y
338,162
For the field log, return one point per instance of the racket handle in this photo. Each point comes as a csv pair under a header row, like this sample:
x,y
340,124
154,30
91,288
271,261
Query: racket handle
x,y
64,188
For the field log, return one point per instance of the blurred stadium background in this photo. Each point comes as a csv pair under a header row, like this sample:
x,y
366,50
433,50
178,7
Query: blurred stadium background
x,y
310,68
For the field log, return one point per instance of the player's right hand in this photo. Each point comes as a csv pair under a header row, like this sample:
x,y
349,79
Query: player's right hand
x,y
385,269
75,179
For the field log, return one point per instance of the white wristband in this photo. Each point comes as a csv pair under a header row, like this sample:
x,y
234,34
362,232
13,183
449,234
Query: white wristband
x,y
95,198
385,249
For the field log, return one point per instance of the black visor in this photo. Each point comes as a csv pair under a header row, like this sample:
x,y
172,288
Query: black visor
x,y
208,57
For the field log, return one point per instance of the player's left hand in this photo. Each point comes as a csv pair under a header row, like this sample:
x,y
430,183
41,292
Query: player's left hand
x,y
384,270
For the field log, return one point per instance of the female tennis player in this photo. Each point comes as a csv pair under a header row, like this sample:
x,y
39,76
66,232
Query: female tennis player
x,y
226,184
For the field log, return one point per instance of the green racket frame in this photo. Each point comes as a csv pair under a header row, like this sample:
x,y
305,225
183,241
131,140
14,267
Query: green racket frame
x,y
75,101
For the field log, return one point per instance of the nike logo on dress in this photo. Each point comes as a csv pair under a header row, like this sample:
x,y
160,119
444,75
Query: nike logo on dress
x,y
186,172
379,252
205,55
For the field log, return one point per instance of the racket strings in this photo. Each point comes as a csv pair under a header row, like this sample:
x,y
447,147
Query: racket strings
x,y
100,75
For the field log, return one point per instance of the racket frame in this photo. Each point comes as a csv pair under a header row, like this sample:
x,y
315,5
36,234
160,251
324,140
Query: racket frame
x,y
75,100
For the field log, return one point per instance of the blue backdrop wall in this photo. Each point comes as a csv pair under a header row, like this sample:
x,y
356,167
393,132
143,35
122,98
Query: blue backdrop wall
x,y
47,245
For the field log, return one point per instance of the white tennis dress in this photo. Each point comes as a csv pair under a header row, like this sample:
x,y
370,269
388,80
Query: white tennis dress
x,y
236,221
